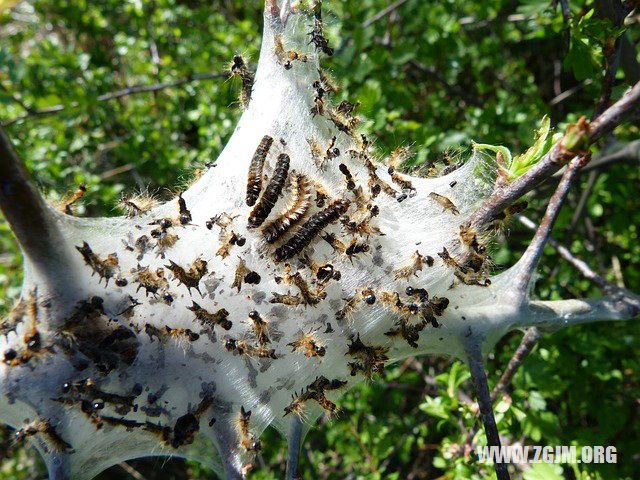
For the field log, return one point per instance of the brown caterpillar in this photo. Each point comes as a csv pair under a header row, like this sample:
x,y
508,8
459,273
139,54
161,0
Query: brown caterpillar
x,y
239,68
298,206
317,34
78,194
311,228
254,184
247,438
45,428
268,199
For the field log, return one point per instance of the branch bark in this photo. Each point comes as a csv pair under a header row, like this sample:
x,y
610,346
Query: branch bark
x,y
294,443
527,263
550,316
30,218
479,376
505,194
119,94
529,340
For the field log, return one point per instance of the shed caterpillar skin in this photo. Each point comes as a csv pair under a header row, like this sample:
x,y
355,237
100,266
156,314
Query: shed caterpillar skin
x,y
105,269
260,328
270,195
311,228
286,299
244,348
445,203
298,205
416,264
254,182
189,278
285,57
208,319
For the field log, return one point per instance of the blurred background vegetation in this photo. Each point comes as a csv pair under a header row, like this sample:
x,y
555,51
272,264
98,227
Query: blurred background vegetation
x,y
434,74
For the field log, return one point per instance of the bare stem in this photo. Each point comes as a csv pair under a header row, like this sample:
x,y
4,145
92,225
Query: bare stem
x,y
119,94
476,366
529,260
293,453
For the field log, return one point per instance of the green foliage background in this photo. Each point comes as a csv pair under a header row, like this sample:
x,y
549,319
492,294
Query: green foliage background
x,y
434,74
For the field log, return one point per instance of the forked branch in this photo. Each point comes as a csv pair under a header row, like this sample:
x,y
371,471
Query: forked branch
x,y
531,256
505,194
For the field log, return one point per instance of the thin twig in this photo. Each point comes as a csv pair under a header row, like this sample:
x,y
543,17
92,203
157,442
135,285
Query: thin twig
x,y
307,457
527,343
505,194
586,271
476,366
382,13
118,94
567,93
294,442
566,16
131,471
582,203
527,263
363,448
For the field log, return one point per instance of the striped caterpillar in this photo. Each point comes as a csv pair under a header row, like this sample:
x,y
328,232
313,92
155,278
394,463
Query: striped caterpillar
x,y
311,228
254,184
268,199
298,206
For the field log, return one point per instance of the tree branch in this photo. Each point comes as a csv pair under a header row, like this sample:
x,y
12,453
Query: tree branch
x,y
394,6
30,218
476,366
527,343
580,265
119,94
505,194
527,263
550,316
59,467
294,443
